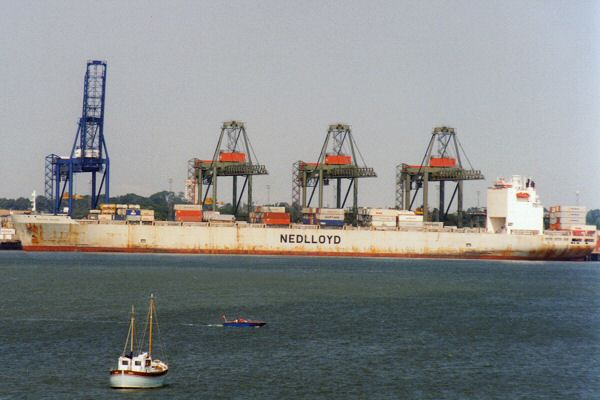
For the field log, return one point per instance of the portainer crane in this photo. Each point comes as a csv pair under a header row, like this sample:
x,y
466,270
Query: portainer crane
x,y
442,162
235,158
339,159
89,153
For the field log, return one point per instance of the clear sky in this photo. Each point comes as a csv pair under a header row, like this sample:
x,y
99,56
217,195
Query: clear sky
x,y
518,80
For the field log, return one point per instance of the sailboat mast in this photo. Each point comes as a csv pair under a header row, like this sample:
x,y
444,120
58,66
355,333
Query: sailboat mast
x,y
150,319
132,327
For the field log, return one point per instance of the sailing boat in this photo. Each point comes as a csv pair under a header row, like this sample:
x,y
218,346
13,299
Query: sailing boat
x,y
141,371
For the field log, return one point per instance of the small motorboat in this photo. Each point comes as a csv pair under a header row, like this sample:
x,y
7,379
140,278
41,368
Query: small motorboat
x,y
242,322
140,371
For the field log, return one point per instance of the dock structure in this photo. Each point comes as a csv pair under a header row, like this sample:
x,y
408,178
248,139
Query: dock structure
x,y
233,157
339,160
442,162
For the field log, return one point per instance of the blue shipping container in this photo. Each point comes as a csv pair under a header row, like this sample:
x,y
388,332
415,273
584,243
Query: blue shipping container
x,y
133,212
329,222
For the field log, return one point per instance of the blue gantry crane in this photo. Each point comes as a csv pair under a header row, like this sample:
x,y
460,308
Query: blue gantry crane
x,y
89,153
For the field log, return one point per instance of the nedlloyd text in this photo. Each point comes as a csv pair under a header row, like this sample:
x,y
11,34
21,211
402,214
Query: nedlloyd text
x,y
310,239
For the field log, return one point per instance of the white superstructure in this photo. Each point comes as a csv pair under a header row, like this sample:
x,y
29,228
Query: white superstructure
x,y
513,206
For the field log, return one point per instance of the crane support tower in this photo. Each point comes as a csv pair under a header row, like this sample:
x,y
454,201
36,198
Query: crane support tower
x,y
234,157
339,159
88,153
442,162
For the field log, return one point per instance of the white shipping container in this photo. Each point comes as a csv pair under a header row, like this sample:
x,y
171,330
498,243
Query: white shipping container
x,y
105,217
133,206
568,213
121,206
410,218
188,207
332,211
567,208
208,215
7,231
222,218
383,218
407,224
405,212
383,224
133,218
147,218
554,220
147,213
332,217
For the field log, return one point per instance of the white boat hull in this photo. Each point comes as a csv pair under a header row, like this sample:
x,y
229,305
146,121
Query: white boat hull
x,y
125,380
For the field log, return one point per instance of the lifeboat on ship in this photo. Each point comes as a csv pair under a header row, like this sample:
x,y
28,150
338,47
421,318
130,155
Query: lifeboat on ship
x,y
141,371
522,195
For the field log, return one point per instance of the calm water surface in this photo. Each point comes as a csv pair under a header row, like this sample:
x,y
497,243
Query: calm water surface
x,y
337,328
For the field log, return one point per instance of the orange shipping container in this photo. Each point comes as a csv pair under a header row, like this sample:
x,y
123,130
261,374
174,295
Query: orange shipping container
x,y
442,162
188,215
276,215
334,159
232,156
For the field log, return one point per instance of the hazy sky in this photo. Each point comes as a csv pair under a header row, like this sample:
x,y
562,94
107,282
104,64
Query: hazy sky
x,y
519,80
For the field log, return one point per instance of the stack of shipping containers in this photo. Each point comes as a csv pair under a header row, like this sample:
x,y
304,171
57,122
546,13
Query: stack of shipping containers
x,y
567,217
269,215
188,212
326,217
408,219
377,217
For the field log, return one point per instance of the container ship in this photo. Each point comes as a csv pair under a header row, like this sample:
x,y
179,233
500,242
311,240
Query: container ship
x,y
514,231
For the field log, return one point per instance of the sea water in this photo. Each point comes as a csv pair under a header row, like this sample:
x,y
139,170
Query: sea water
x,y
337,328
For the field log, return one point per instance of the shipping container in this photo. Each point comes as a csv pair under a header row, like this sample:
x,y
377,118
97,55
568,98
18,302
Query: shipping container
x,y
378,211
105,217
266,209
187,207
555,220
225,156
410,218
338,159
133,206
442,162
146,212
133,212
222,218
329,222
567,208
